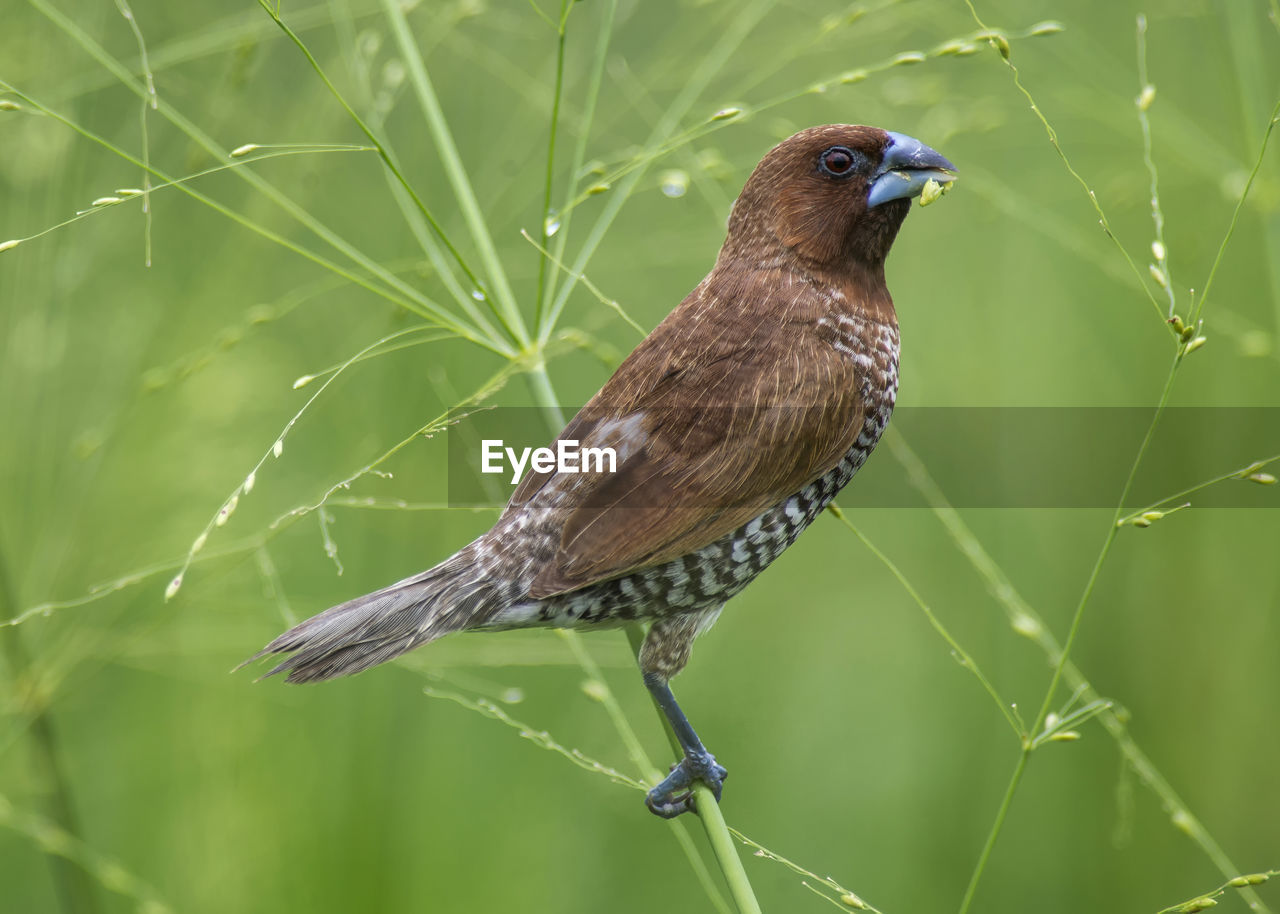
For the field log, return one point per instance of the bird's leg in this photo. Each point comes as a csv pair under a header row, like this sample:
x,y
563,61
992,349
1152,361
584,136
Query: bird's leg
x,y
673,796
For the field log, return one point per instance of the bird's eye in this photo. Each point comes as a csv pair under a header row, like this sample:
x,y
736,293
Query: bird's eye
x,y
839,161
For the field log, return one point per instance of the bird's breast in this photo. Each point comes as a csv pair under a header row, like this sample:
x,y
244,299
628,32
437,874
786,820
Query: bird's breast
x,y
871,345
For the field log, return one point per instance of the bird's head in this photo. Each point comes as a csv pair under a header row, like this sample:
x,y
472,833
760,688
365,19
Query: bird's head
x,y
832,196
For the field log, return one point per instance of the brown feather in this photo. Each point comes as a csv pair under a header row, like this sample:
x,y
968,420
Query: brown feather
x,y
738,398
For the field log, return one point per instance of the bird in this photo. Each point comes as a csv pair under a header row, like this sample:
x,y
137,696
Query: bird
x,y
734,422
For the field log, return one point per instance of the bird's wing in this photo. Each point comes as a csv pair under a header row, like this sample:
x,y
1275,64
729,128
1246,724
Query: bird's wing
x,y
707,435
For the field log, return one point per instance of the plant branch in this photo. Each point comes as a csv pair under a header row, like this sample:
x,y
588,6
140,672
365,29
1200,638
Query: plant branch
x,y
505,305
562,32
996,827
385,155
1024,620
263,186
76,892
961,654
708,812
580,148
1235,214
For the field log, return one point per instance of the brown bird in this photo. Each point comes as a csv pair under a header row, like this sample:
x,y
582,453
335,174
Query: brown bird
x,y
735,422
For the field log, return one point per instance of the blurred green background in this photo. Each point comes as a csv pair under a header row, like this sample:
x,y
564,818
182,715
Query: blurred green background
x,y
136,400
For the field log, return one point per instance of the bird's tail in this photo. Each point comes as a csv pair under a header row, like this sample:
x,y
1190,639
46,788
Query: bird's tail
x,y
373,629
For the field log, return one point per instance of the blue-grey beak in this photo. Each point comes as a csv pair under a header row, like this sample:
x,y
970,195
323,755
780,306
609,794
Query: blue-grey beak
x,y
907,166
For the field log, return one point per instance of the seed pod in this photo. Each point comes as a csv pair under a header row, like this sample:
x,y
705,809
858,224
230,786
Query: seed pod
x,y
225,512
1027,626
1048,27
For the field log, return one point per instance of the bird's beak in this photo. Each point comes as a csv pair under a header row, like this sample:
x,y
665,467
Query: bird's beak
x,y
906,167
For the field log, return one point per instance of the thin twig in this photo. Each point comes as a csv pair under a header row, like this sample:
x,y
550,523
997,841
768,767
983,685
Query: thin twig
x,y
708,812
76,892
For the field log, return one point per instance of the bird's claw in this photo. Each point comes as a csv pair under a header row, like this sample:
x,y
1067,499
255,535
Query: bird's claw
x,y
674,796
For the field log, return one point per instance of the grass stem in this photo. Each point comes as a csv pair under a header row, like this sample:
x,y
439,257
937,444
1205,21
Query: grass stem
x,y
505,304
709,814
546,228
996,827
75,890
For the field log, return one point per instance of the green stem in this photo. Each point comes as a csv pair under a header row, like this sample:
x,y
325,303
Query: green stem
x,y
1248,56
709,814
1157,213
413,301
1064,657
1106,544
963,656
996,826
505,305
726,851
387,159
644,765
1071,169
1273,233
1028,622
540,382
125,77
75,890
719,55
580,148
551,161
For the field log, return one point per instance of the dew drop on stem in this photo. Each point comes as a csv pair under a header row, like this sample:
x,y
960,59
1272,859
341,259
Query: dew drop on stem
x,y
674,183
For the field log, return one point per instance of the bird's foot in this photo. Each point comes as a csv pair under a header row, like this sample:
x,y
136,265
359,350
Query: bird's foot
x,y
674,796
